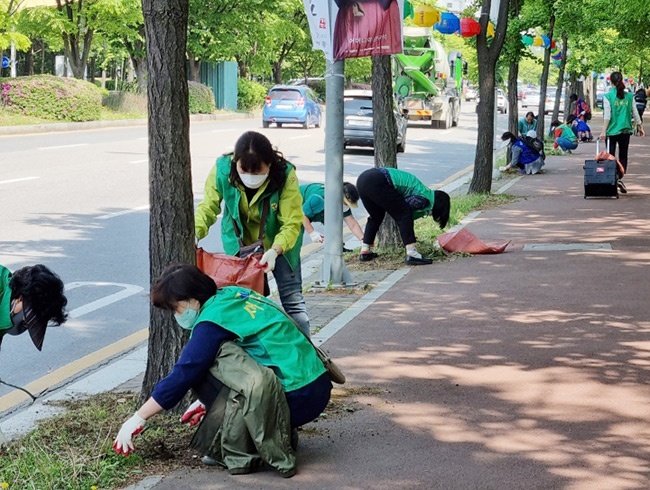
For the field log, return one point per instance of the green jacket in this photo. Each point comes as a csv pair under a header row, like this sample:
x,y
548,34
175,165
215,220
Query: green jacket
x,y
567,133
266,333
283,225
407,185
620,121
5,300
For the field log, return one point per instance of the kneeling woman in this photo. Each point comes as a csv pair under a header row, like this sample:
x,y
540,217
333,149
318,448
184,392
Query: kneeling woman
x,y
246,343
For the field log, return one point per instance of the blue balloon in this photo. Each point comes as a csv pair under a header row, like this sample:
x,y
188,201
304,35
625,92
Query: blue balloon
x,y
448,24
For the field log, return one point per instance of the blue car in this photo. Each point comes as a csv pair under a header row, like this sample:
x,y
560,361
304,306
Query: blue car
x,y
291,104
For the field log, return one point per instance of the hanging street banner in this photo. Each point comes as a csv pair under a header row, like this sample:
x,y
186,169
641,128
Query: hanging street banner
x,y
355,28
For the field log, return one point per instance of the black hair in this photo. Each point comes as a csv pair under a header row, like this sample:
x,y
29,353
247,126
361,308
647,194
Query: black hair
x,y
350,192
555,124
571,118
252,149
573,97
617,81
530,113
441,208
180,282
42,291
508,136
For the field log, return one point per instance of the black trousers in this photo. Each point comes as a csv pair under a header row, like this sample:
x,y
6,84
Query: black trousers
x,y
380,197
623,142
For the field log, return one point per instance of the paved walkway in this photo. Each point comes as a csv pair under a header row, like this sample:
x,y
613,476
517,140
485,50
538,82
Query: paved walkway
x,y
524,370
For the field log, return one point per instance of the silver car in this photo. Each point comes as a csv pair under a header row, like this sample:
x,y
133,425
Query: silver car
x,y
357,120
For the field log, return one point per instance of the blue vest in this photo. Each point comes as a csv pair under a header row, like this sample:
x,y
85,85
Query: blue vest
x,y
527,154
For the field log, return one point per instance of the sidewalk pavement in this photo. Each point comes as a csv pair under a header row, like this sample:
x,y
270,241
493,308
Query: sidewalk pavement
x,y
524,370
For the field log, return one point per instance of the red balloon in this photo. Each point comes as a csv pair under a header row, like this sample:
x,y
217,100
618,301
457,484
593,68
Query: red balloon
x,y
469,27
552,44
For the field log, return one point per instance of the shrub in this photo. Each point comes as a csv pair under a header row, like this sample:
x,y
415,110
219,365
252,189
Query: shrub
x,y
250,95
201,98
50,97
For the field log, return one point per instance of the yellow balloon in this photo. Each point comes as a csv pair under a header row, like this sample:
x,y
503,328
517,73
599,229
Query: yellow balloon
x,y
490,30
538,41
425,16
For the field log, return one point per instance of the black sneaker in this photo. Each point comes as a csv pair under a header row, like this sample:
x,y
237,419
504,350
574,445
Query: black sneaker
x,y
415,261
621,187
346,250
367,256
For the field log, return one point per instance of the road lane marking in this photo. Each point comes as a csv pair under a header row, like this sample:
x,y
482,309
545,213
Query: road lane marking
x,y
223,130
128,290
122,213
61,146
140,161
17,180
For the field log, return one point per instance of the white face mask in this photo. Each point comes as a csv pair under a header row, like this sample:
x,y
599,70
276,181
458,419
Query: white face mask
x,y
346,208
253,181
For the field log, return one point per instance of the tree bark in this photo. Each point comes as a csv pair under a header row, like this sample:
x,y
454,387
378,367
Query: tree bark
x,y
560,85
513,111
544,81
385,134
195,70
487,53
171,226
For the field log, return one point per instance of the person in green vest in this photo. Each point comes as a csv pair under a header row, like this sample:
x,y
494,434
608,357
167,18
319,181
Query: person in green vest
x,y
565,138
245,343
313,205
238,187
405,198
619,110
30,298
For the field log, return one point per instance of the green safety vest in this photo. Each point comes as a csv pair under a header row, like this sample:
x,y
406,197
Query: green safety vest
x,y
231,197
620,121
409,185
5,300
266,333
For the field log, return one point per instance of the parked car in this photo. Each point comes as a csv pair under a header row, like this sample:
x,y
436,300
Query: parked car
x,y
530,99
549,104
471,94
599,99
502,102
357,120
291,104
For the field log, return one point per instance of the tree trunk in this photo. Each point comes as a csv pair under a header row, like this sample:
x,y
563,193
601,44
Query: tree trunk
x,y
29,62
276,68
171,226
487,54
141,75
195,70
544,81
513,104
560,85
385,134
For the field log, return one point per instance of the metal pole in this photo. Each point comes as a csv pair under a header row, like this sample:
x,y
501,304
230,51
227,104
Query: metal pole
x,y
334,272
13,61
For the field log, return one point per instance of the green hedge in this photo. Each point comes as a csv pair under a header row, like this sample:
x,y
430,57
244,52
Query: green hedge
x,y
201,98
50,97
250,95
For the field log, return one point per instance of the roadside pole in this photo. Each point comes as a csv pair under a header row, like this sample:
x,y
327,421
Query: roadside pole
x,y
334,272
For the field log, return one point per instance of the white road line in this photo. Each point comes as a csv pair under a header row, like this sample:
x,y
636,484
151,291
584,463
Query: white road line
x,y
61,146
146,160
129,290
17,180
223,130
122,213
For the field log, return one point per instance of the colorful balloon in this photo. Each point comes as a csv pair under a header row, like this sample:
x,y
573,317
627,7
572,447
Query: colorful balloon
x,y
527,40
449,23
546,42
469,27
426,16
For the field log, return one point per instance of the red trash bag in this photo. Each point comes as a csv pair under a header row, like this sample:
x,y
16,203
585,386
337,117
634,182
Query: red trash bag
x,y
228,270
465,241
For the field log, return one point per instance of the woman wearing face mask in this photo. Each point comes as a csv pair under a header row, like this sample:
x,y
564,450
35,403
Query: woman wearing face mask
x,y
239,185
244,342
29,299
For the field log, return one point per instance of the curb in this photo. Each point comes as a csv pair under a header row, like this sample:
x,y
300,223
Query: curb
x,y
118,123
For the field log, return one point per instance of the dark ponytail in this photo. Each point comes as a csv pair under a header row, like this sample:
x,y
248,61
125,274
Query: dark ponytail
x,y
617,80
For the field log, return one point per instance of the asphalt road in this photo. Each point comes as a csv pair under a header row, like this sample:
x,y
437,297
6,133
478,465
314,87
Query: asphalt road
x,y
78,202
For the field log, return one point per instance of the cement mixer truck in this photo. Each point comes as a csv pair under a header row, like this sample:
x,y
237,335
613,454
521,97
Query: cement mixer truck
x,y
428,82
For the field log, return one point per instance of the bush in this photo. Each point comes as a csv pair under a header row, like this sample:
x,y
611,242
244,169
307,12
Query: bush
x,y
201,98
50,97
250,95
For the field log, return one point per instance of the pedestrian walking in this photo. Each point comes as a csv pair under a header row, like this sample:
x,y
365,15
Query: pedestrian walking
x,y
619,111
405,199
240,185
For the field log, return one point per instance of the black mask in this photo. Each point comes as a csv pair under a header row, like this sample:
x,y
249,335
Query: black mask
x,y
18,323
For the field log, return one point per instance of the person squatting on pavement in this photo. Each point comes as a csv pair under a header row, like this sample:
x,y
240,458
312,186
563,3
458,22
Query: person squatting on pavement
x,y
405,199
619,109
313,205
524,157
256,175
256,375
30,298
564,136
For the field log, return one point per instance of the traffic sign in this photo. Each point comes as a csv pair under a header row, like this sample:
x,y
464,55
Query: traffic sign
x,y
5,62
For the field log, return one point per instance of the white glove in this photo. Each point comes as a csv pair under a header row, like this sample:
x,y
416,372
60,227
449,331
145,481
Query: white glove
x,y
124,440
194,413
316,236
268,259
